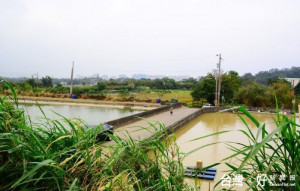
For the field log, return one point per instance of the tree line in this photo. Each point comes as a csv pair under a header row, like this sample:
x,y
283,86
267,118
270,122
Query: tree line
x,y
247,91
253,90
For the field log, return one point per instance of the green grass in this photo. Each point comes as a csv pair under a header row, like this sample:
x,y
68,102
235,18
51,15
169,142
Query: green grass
x,y
273,153
46,156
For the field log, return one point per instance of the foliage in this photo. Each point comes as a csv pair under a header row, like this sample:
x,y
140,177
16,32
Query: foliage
x,y
263,76
124,93
273,153
284,95
297,89
231,83
101,86
258,95
271,81
32,82
48,156
59,89
253,94
143,89
187,84
47,81
25,87
205,89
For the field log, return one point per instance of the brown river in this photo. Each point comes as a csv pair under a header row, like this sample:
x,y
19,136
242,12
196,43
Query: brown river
x,y
212,123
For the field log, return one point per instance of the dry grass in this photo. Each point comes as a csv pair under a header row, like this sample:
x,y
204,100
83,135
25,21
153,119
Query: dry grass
x,y
181,95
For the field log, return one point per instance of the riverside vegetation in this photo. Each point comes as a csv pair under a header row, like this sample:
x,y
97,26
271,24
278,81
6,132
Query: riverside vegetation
x,y
47,156
250,90
271,154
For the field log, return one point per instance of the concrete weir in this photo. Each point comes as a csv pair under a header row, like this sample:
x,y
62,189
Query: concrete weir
x,y
143,125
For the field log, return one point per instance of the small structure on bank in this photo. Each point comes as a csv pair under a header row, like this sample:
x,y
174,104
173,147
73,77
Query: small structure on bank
x,y
194,171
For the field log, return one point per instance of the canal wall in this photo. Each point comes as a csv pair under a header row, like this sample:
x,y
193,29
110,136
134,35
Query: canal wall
x,y
133,118
179,124
270,110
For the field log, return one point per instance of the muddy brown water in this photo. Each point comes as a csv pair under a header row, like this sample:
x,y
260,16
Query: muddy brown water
x,y
213,123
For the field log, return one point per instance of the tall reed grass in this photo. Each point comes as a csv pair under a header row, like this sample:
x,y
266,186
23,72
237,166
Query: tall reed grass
x,y
47,156
271,159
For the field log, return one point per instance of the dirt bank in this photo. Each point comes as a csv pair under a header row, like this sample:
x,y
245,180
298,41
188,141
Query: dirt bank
x,y
93,103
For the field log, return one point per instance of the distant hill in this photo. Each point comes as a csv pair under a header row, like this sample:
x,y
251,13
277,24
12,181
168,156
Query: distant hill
x,y
263,76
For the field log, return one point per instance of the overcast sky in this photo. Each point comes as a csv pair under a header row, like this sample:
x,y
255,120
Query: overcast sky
x,y
157,37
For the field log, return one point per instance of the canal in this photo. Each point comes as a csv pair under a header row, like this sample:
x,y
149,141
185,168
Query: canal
x,y
92,115
203,125
212,123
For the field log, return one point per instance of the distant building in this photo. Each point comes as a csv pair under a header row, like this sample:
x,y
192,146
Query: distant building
x,y
105,77
293,81
122,76
139,76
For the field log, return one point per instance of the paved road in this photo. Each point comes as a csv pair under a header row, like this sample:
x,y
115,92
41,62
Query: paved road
x,y
142,129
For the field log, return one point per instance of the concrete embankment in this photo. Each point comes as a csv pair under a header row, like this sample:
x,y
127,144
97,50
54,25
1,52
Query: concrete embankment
x,y
139,129
136,117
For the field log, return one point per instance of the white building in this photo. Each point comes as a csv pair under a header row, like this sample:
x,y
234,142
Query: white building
x,y
293,81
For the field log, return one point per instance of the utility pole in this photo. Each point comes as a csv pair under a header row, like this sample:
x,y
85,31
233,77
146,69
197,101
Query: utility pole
x,y
219,80
216,94
71,87
37,79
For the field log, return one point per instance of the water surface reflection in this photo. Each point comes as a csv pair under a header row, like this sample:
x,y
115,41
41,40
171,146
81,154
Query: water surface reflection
x,y
92,115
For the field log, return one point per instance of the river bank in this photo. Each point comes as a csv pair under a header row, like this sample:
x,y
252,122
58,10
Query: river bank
x,y
91,103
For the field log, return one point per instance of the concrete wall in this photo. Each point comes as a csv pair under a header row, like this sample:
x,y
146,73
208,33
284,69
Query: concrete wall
x,y
133,118
271,110
179,124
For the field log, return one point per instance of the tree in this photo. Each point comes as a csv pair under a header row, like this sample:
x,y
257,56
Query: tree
x,y
47,81
169,83
253,94
32,82
124,93
101,86
283,93
271,81
231,82
189,83
205,89
297,89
